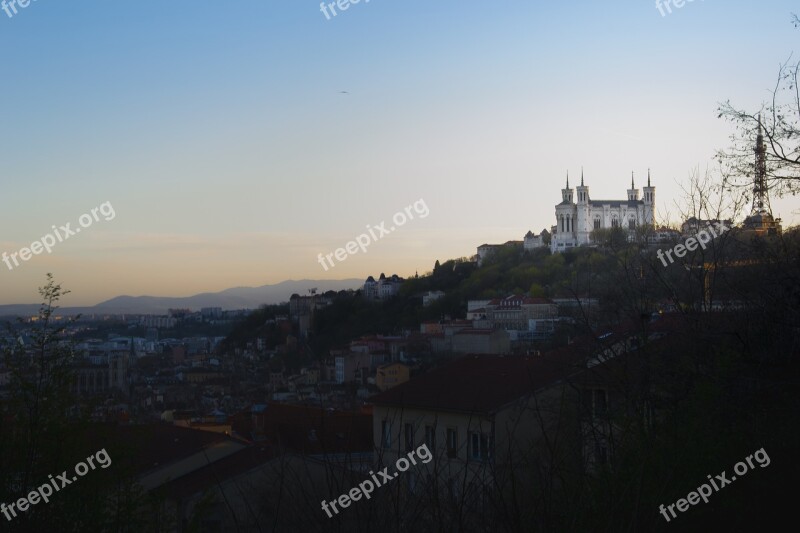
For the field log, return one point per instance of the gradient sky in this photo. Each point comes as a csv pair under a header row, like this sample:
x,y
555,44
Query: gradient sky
x,y
219,133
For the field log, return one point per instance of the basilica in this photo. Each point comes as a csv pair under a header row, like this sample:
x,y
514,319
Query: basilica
x,y
577,216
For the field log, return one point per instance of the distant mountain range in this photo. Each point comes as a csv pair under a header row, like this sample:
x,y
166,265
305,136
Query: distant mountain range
x,y
236,298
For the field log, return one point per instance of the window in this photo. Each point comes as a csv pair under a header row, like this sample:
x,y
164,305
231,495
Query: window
x,y
452,488
412,481
614,222
430,482
597,223
587,400
480,446
386,434
430,438
472,495
452,442
595,401
600,453
477,496
600,402
632,223
409,434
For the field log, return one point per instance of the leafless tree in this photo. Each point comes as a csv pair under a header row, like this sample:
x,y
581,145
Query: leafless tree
x,y
779,120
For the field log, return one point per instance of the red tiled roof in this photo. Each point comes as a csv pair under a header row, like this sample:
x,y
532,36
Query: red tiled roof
x,y
157,445
212,474
471,331
485,383
162,444
309,429
481,383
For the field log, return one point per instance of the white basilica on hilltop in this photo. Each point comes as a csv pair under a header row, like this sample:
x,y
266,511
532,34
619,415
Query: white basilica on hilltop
x,y
577,217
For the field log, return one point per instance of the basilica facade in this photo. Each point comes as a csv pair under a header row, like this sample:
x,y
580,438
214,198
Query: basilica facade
x,y
578,214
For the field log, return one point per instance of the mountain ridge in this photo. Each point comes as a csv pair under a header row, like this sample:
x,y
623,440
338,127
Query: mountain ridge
x,y
231,298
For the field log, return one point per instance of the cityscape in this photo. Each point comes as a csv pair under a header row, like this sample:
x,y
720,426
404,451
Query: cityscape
x,y
246,288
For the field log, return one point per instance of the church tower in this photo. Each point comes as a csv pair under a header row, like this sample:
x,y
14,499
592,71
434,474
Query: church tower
x,y
649,202
566,194
633,192
583,224
564,234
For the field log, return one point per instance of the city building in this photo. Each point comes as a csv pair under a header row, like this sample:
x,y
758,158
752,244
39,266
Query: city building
x,y
515,312
390,375
382,289
487,250
532,242
430,297
211,312
302,309
355,366
477,416
481,341
692,225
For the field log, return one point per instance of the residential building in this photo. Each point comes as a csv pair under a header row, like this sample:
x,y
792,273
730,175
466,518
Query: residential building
x,y
431,296
302,309
382,289
390,375
481,341
692,225
515,313
488,418
477,417
211,312
355,366
532,242
486,250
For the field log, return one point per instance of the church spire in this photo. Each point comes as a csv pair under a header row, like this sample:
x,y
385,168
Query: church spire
x,y
648,177
581,176
633,193
567,179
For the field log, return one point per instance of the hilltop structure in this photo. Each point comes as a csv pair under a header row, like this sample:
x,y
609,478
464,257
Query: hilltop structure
x,y
575,220
761,220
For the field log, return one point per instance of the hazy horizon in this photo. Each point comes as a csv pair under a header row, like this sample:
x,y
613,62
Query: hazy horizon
x,y
238,142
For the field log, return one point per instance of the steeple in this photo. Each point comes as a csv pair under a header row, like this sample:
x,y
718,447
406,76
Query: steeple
x,y
649,191
583,192
566,193
633,194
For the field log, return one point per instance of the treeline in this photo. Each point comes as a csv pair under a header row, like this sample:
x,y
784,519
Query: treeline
x,y
256,325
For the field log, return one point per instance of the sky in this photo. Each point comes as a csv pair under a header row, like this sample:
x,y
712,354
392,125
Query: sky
x,y
236,141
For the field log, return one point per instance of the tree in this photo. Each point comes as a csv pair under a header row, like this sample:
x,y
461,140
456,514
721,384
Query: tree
x,y
38,389
44,430
779,121
546,237
613,238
